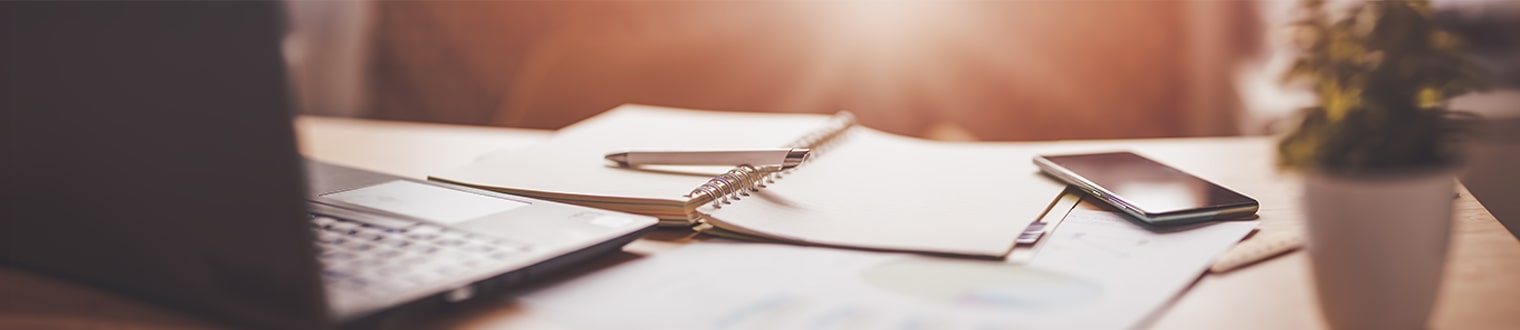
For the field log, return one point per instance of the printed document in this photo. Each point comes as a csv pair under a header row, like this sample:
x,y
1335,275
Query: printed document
x,y
1097,271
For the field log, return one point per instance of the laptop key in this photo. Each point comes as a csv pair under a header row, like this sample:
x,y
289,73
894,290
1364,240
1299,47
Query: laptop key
x,y
323,221
427,249
510,246
391,271
413,261
478,248
424,232
329,237
344,227
388,253
338,255
368,263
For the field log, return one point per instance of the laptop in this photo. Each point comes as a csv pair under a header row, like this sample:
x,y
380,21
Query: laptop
x,y
149,151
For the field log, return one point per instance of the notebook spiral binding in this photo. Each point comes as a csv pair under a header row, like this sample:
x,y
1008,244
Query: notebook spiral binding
x,y
740,181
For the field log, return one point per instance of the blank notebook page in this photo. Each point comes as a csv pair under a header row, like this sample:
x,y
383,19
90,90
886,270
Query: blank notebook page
x,y
875,190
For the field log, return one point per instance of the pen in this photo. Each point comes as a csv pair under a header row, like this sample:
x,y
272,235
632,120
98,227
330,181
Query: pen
x,y
785,157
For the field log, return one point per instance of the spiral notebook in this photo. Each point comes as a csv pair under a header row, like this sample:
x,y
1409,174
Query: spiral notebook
x,y
861,188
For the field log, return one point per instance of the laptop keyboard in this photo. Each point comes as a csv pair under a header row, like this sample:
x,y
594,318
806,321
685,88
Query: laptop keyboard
x,y
378,261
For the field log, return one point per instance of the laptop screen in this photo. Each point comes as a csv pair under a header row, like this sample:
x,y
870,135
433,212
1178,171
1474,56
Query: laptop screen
x,y
149,151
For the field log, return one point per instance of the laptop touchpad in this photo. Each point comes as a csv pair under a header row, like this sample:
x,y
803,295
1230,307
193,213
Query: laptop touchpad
x,y
423,201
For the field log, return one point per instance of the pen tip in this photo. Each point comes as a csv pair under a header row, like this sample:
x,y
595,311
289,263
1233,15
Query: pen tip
x,y
621,158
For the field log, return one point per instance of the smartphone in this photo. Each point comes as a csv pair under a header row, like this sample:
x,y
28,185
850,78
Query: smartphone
x,y
1148,190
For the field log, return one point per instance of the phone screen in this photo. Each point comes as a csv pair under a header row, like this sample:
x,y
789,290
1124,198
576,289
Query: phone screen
x,y
1147,185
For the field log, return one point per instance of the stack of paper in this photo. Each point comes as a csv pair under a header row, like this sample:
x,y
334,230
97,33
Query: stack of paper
x,y
862,189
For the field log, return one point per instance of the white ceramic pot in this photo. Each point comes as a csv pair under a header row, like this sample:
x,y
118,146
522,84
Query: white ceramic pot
x,y
1378,246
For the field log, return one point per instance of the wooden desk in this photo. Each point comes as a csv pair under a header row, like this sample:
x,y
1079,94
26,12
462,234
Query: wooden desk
x,y
1481,289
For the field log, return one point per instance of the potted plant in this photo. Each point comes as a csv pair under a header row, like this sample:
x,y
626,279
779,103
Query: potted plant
x,y
1379,154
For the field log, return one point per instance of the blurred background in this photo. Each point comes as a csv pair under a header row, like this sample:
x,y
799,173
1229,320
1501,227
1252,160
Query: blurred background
x,y
954,70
